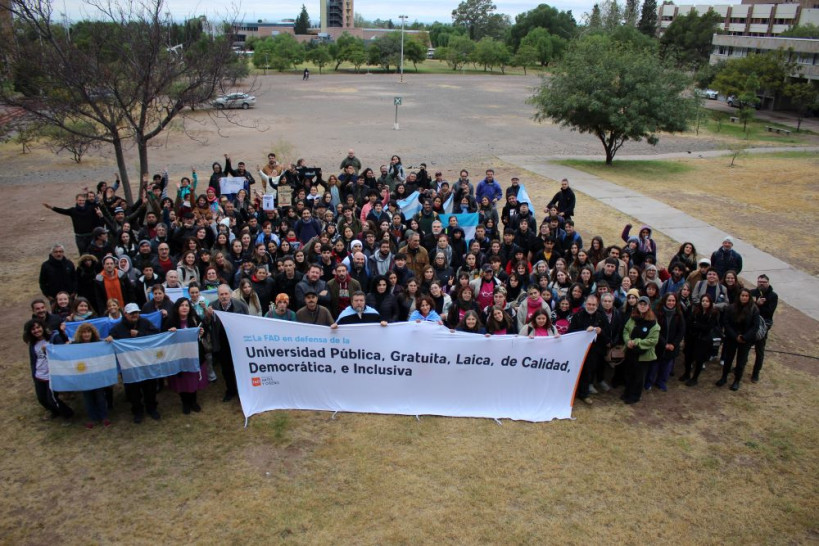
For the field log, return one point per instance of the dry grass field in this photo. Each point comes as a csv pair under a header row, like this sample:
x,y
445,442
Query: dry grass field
x,y
770,200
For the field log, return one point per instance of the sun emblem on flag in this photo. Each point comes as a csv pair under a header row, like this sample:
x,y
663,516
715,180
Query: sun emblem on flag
x,y
81,367
160,354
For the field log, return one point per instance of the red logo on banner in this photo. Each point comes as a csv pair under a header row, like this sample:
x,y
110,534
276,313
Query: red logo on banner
x,y
256,381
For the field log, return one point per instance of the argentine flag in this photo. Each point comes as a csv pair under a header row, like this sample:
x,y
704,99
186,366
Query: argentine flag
x,y
523,197
160,355
467,222
174,294
410,206
82,366
104,324
449,203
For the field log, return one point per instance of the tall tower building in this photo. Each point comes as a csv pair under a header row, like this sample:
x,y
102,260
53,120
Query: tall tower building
x,y
336,14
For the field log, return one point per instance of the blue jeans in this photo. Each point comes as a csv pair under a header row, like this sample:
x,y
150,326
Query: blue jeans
x,y
96,404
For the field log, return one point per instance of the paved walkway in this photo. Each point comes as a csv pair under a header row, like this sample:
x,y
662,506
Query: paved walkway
x,y
797,288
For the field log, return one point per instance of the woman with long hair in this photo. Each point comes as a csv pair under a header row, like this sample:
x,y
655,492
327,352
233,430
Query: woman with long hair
x,y
640,335
463,301
95,400
498,322
246,293
740,322
687,256
597,250
471,324
732,284
533,302
672,331
701,327
539,325
186,384
36,335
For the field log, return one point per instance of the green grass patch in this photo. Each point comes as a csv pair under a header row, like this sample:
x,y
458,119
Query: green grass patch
x,y
636,168
756,131
430,66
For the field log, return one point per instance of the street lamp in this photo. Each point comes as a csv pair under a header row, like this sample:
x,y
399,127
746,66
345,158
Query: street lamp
x,y
403,18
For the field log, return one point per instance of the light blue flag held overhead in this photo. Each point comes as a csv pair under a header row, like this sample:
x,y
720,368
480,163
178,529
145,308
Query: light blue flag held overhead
x,y
410,206
449,203
467,222
104,324
523,197
82,366
160,355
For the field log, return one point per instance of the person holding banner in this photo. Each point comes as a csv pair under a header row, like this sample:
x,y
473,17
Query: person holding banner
x,y
142,394
95,400
35,335
186,384
221,346
358,312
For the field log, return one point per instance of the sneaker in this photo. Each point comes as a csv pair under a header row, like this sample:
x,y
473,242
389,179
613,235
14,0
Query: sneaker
x,y
685,377
227,398
721,382
735,386
196,407
89,425
648,388
138,418
186,410
662,388
154,415
604,386
592,390
754,378
691,382
106,423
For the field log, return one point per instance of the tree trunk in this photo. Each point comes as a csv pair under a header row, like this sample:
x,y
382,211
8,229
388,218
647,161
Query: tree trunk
x,y
123,170
142,146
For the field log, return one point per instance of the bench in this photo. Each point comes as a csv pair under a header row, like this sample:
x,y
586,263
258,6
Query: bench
x,y
777,130
734,119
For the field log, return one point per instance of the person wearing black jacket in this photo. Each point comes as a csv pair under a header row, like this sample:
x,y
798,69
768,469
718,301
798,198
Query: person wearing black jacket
x,y
740,323
142,394
702,325
382,300
672,331
590,318
57,274
221,345
84,218
612,330
766,301
565,201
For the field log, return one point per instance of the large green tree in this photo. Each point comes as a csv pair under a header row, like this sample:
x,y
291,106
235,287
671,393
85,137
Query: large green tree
x,y
385,51
490,53
302,24
459,51
648,18
547,46
479,19
281,52
688,38
772,70
121,78
319,56
556,22
616,92
804,97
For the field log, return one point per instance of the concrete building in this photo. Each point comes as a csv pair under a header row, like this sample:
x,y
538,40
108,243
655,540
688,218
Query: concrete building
x,y
751,18
336,14
805,51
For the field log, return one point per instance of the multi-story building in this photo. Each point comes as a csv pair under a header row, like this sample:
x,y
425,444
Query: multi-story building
x,y
751,18
804,51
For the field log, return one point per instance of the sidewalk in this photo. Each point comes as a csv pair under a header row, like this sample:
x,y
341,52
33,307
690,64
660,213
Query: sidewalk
x,y
796,288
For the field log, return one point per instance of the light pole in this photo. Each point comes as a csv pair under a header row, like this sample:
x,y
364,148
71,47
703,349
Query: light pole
x,y
403,18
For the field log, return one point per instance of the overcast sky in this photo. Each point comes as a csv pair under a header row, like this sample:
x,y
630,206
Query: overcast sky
x,y
423,10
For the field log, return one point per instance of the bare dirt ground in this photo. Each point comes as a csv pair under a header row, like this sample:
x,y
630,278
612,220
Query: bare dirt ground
x,y
691,465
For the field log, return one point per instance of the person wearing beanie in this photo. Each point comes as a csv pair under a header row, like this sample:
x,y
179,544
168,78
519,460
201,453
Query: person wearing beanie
x,y
725,258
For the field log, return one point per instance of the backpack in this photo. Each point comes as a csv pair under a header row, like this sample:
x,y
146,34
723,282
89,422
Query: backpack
x,y
760,328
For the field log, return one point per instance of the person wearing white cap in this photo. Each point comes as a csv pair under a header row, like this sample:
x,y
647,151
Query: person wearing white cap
x,y
726,258
141,395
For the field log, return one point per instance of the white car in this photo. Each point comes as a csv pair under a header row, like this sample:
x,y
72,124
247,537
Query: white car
x,y
235,100
708,93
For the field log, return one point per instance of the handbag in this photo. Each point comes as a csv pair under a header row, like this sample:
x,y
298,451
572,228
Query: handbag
x,y
616,355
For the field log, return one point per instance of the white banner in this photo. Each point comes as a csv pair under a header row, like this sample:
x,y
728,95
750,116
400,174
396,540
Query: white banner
x,y
229,185
269,201
403,368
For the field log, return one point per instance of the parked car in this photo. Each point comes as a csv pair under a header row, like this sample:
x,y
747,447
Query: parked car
x,y
707,93
734,101
235,100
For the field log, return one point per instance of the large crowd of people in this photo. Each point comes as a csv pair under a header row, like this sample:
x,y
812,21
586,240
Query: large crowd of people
x,y
295,244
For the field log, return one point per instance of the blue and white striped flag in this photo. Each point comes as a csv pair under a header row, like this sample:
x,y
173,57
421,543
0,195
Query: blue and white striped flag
x,y
174,294
467,222
410,206
523,197
82,366
449,203
160,355
104,324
